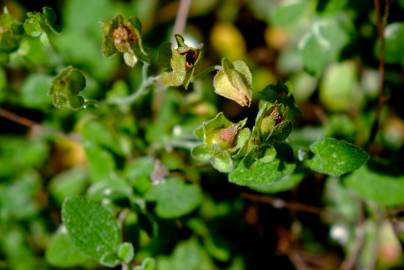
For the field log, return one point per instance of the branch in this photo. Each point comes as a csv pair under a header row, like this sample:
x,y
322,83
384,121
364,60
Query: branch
x,y
380,21
181,18
17,119
359,240
34,126
282,204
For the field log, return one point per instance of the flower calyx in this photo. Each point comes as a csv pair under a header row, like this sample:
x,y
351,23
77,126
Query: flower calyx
x,y
124,37
183,62
234,81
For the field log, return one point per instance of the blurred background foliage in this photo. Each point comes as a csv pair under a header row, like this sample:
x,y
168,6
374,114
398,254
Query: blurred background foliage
x,y
327,53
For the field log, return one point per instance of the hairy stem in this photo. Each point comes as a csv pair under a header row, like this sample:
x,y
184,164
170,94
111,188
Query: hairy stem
x,y
141,91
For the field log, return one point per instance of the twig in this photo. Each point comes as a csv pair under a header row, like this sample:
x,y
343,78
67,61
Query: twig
x,y
181,18
146,82
380,21
34,126
351,259
17,119
280,203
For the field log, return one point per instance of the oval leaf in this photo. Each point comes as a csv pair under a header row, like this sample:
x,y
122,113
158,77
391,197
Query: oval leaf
x,y
61,252
260,173
91,227
174,198
336,157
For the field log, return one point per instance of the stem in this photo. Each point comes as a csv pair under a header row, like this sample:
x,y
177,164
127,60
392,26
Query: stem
x,y
382,98
359,240
34,126
181,18
142,90
280,203
17,119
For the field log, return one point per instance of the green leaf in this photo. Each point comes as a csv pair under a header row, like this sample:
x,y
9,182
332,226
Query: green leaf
x,y
386,190
174,198
394,43
68,183
99,133
34,91
147,264
339,89
61,252
113,189
18,199
188,255
91,227
20,154
322,44
109,260
336,157
289,11
138,174
285,183
126,252
261,173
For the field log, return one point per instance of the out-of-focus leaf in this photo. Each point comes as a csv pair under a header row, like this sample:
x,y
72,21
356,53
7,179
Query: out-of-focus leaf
x,y
188,255
101,162
19,154
394,42
115,188
339,89
322,44
336,157
383,189
61,252
68,183
18,200
174,198
228,41
126,252
147,264
102,135
34,91
289,11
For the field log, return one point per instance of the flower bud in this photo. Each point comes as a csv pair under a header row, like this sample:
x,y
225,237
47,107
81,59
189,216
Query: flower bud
x,y
226,137
233,81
